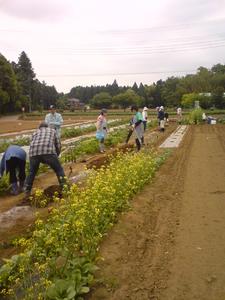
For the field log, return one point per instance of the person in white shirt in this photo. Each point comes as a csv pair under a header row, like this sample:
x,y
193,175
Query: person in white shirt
x,y
54,120
179,114
145,117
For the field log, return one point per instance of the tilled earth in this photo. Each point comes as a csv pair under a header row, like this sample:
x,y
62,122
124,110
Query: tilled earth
x,y
170,245
15,222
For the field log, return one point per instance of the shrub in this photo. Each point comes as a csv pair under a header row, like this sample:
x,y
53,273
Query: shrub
x,y
195,116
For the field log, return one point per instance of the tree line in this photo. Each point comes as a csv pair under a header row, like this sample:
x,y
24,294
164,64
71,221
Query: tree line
x,y
19,88
206,86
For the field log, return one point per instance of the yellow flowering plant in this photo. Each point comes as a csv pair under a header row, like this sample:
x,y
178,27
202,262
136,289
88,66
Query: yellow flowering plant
x,y
59,260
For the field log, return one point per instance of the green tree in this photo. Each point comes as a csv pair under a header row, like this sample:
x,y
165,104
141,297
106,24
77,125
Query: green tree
x,y
25,75
218,98
218,68
127,99
135,88
8,86
205,101
169,93
101,100
188,100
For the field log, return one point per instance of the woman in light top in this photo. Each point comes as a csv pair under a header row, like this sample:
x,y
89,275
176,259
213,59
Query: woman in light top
x,y
101,126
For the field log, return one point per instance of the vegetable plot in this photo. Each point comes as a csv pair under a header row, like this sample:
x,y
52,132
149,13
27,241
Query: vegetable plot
x,y
58,260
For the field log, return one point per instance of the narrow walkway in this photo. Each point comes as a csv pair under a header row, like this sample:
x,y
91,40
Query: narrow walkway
x,y
174,140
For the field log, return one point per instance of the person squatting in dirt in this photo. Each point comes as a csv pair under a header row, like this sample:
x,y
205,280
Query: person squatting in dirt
x,y
102,130
161,118
136,127
13,162
45,148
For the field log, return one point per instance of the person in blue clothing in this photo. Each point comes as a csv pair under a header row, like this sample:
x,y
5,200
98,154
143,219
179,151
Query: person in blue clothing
x,y
54,120
13,162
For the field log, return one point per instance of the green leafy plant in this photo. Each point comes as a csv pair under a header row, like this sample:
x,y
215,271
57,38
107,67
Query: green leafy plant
x,y
4,184
195,116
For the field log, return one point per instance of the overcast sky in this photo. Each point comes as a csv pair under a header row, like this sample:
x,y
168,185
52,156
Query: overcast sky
x,y
90,42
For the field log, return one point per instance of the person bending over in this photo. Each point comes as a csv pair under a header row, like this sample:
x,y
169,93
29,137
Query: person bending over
x,y
44,148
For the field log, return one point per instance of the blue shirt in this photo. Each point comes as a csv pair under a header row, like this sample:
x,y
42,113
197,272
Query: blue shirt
x,y
54,121
11,151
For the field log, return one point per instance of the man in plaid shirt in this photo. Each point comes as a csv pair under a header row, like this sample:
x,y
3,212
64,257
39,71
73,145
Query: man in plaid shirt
x,y
44,148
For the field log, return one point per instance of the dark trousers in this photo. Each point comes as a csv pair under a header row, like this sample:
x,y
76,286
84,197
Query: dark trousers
x,y
138,144
145,125
14,165
49,159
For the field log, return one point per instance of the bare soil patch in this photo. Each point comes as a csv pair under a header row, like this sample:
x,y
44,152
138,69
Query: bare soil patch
x,y
171,245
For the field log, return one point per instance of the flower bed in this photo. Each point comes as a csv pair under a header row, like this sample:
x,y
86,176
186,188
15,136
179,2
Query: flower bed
x,y
58,261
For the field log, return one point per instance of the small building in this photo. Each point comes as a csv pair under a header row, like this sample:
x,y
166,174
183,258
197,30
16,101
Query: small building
x,y
75,104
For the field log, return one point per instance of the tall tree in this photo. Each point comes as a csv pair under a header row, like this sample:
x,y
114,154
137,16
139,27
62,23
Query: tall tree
x,y
25,75
8,86
135,87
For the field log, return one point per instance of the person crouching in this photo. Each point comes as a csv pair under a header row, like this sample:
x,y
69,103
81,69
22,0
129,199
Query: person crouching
x,y
13,160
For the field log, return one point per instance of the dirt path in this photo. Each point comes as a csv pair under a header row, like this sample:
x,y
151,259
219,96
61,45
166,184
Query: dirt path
x,y
171,245
198,268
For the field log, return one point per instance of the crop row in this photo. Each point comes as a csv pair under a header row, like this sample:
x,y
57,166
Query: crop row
x,y
66,133
59,259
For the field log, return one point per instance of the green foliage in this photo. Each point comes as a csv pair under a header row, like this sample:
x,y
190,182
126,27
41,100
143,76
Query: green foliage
x,y
73,132
4,184
8,86
91,145
84,147
195,116
218,98
127,98
4,144
101,100
188,100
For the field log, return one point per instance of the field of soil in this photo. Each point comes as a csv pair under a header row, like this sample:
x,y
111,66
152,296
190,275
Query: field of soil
x,y
170,245
14,124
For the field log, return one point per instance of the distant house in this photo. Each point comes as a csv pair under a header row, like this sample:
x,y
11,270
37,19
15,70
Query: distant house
x,y
75,104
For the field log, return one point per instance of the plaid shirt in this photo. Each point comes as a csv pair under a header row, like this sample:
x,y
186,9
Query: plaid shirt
x,y
44,141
